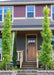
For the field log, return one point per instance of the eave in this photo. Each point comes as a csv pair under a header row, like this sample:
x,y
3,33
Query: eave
x,y
24,3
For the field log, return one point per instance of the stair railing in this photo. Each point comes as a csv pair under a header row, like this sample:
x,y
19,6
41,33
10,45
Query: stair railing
x,y
21,58
37,52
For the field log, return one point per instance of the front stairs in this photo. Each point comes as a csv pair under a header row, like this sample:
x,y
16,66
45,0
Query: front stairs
x,y
28,65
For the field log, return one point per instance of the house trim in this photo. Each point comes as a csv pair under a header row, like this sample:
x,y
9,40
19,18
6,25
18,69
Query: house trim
x,y
51,14
25,29
26,47
24,3
16,18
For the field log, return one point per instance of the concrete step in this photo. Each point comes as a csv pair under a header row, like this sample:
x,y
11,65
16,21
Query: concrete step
x,y
28,65
28,68
27,72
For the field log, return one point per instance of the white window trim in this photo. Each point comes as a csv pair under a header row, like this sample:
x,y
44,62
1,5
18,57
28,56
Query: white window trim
x,y
3,13
34,12
51,13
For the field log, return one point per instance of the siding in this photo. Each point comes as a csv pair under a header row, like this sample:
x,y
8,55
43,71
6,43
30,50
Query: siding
x,y
39,41
21,43
19,11
39,10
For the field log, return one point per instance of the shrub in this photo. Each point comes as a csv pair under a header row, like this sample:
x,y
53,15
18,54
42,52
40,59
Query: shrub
x,y
2,66
51,65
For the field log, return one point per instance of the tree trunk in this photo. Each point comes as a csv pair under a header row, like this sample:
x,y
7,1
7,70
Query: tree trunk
x,y
45,66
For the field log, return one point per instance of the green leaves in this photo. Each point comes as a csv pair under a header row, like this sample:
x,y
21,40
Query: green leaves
x,y
46,12
6,38
46,48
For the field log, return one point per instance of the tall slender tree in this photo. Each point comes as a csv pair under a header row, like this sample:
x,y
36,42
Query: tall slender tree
x,y
46,48
15,50
6,38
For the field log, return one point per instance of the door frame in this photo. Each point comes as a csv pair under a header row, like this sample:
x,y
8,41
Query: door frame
x,y
26,46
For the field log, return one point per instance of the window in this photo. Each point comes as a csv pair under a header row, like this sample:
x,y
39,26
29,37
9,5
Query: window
x,y
30,11
3,11
53,43
7,8
0,13
52,12
31,42
31,39
0,43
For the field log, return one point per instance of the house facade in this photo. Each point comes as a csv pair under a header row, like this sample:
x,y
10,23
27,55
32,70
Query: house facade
x,y
27,17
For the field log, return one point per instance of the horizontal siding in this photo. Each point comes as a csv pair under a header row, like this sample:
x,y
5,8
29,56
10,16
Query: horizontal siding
x,y
19,11
39,10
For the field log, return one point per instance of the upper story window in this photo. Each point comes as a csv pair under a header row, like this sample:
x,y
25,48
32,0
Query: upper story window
x,y
7,8
52,12
3,11
0,13
30,11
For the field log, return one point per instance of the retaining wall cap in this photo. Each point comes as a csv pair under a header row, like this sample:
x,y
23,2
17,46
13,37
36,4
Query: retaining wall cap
x,y
45,71
7,71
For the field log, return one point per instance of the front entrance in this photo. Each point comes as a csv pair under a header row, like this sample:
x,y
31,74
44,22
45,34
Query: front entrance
x,y
31,47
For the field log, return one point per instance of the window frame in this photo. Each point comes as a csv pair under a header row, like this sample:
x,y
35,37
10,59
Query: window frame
x,y
3,13
51,42
34,12
51,13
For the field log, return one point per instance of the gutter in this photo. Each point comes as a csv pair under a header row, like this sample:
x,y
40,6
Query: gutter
x,y
24,3
26,29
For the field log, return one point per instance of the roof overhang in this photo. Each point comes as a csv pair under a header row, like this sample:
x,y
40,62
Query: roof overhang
x,y
24,3
26,29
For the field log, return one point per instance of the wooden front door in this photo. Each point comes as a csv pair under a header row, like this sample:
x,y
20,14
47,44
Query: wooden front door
x,y
31,48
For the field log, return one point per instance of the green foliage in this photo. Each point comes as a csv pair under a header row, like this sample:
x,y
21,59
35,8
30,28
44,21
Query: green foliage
x,y
6,39
46,48
16,68
2,66
15,50
51,65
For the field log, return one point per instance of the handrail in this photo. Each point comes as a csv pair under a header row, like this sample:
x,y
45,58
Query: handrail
x,y
18,55
21,55
37,53
21,58
37,57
